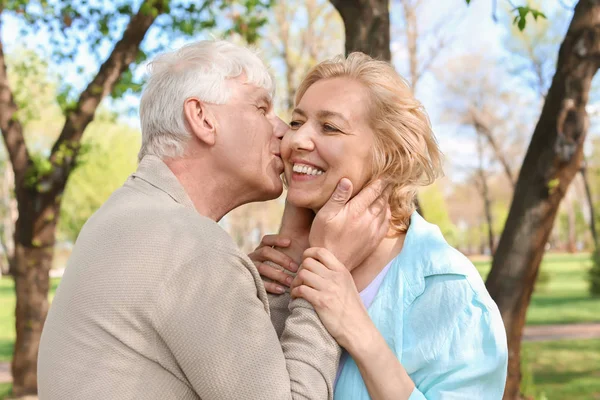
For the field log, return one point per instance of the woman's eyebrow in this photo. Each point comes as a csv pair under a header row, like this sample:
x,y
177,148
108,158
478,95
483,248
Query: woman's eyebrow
x,y
327,113
299,111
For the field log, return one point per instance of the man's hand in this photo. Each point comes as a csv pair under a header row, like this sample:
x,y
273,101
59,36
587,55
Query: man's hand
x,y
352,229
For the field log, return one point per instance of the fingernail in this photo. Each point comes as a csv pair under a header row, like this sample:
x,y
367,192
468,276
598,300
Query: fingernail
x,y
289,280
344,184
280,289
294,267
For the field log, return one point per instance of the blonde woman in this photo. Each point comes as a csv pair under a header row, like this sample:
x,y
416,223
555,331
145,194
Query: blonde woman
x,y
414,316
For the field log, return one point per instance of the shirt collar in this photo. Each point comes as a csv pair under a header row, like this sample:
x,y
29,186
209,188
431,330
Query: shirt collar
x,y
155,172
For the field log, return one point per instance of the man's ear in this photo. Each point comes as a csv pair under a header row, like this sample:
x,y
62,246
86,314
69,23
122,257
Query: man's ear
x,y
200,121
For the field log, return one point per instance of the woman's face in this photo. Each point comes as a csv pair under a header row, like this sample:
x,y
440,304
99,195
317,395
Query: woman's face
x,y
329,139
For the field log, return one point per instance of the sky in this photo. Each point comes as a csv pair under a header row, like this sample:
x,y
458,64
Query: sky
x,y
474,31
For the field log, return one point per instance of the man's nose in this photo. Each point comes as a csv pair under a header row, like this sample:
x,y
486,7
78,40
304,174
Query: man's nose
x,y
279,128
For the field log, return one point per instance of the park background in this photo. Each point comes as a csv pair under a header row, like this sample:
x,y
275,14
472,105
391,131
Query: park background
x,y
487,71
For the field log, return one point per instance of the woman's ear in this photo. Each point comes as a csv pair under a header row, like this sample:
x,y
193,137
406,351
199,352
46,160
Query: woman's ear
x,y
200,121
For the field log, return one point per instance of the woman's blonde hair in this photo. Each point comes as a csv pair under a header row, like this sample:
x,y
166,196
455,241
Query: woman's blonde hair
x,y
406,152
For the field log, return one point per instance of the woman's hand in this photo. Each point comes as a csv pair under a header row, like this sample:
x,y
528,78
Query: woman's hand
x,y
266,252
326,283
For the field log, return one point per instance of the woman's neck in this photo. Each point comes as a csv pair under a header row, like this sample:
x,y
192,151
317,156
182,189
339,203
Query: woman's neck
x,y
387,250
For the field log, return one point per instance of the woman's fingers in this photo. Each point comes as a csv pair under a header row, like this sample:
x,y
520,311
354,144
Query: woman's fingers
x,y
263,254
275,240
323,257
275,274
309,278
274,288
315,266
307,293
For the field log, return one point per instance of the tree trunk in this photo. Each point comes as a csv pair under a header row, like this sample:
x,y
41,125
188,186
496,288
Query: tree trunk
x,y
571,226
552,160
590,201
485,195
367,24
33,260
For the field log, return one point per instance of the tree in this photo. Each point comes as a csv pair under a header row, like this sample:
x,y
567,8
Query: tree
x,y
40,179
367,26
109,157
552,160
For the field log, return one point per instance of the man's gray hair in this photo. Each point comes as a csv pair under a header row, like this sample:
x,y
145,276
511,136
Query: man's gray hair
x,y
200,70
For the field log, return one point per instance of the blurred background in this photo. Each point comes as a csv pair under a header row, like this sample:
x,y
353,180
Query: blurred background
x,y
71,73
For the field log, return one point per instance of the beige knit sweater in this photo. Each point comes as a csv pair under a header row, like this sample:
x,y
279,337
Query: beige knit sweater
x,y
157,302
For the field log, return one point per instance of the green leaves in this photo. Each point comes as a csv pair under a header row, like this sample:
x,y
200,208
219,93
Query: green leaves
x,y
521,15
521,18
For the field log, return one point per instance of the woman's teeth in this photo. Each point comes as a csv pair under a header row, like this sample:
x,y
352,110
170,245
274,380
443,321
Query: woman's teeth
x,y
306,169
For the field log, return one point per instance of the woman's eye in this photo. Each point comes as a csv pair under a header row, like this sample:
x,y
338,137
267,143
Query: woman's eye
x,y
295,124
330,128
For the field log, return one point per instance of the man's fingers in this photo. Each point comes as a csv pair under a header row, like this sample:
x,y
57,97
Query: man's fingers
x,y
275,240
368,195
338,199
274,274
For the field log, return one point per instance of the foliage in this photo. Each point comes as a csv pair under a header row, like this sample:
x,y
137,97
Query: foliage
x,y
111,158
76,31
521,13
432,200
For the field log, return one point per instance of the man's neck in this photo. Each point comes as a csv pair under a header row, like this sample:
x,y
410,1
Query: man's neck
x,y
210,192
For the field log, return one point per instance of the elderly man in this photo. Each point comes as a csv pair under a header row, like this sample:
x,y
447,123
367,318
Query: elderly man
x,y
157,302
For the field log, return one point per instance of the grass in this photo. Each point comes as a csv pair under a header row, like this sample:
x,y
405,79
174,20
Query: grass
x,y
565,298
5,389
565,369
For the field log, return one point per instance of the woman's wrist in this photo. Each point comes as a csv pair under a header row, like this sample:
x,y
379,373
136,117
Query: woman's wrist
x,y
360,337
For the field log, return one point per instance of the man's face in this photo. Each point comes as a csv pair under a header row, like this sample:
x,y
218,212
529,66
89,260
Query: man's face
x,y
248,139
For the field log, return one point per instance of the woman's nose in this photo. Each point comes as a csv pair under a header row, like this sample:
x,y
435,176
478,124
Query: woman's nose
x,y
301,139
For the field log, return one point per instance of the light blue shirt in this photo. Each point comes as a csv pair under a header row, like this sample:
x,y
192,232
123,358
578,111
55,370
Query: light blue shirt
x,y
437,317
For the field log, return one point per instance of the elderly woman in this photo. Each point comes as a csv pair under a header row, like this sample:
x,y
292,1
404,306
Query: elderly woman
x,y
414,316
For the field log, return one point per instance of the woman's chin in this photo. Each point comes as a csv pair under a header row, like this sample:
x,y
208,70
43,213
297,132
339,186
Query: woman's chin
x,y
303,200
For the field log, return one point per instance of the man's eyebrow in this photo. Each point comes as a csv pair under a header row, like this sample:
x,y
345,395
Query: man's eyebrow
x,y
263,98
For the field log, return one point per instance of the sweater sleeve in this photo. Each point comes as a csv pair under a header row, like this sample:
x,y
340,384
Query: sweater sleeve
x,y
217,328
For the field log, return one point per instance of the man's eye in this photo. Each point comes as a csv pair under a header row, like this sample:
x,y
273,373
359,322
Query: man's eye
x,y
263,110
295,124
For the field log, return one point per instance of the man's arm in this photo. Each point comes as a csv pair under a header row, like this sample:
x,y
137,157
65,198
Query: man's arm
x,y
210,316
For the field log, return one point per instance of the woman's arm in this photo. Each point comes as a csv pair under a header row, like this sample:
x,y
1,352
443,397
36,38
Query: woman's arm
x,y
384,376
329,287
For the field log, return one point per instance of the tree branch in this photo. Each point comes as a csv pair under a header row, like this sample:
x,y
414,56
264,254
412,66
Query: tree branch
x,y
123,54
12,130
484,130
